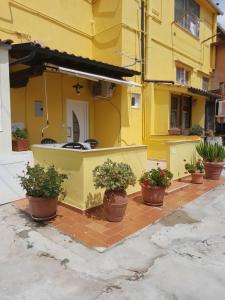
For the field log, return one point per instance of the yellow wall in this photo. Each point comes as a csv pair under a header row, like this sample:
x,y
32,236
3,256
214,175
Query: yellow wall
x,y
177,152
59,25
78,165
158,144
157,99
168,43
112,122
109,31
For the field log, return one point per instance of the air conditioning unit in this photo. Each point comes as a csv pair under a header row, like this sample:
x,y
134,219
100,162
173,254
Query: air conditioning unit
x,y
103,89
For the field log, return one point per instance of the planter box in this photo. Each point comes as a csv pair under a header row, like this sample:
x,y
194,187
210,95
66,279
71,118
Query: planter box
x,y
20,145
174,131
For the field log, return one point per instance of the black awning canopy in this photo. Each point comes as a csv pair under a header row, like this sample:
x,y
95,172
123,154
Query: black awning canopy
x,y
40,55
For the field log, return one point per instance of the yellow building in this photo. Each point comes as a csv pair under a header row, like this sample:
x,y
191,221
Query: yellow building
x,y
122,72
179,61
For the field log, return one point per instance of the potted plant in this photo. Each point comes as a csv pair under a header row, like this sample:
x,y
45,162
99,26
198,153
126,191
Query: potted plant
x,y
153,185
20,141
196,169
196,130
174,131
42,186
115,178
213,156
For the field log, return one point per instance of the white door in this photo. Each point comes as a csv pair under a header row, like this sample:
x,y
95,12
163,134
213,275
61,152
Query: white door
x,y
77,121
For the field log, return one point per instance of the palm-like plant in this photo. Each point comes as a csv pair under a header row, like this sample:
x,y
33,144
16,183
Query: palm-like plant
x,y
210,152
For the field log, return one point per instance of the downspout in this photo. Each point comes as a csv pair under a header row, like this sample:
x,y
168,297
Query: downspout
x,y
143,40
159,81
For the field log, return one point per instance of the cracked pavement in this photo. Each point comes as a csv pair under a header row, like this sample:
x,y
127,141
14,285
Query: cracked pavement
x,y
180,257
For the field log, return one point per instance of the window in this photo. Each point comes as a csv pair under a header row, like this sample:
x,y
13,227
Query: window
x,y
182,75
180,115
76,128
205,83
175,112
38,108
135,100
187,14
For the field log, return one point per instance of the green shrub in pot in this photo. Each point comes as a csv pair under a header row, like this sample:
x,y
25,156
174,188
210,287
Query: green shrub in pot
x,y
20,140
213,156
115,178
43,187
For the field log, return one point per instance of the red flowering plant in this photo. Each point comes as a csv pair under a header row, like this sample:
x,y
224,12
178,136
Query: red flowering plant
x,y
156,177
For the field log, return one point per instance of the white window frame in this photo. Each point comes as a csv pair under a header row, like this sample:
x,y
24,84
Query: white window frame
x,y
137,98
184,79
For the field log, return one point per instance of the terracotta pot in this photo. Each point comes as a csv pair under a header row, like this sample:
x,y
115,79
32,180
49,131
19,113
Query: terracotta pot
x,y
20,145
153,195
174,131
213,170
197,178
42,209
115,204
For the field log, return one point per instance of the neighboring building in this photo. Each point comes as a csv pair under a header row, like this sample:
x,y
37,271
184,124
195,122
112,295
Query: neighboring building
x,y
179,63
105,45
218,77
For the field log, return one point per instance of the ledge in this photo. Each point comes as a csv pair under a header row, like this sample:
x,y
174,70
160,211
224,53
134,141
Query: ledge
x,y
183,141
88,151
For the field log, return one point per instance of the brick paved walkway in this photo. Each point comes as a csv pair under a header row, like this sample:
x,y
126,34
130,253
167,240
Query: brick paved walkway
x,y
94,230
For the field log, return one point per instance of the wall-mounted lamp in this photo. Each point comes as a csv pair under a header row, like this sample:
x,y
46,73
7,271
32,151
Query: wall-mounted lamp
x,y
77,87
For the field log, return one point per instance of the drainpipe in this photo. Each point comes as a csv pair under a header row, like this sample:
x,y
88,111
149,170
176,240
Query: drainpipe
x,y
159,81
143,40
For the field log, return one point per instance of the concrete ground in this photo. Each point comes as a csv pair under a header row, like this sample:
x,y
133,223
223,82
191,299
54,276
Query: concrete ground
x,y
181,257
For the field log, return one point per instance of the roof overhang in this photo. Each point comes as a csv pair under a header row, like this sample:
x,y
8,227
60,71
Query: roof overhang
x,y
203,93
192,90
36,56
215,7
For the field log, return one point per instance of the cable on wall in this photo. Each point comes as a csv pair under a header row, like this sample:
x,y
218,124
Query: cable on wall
x,y
46,105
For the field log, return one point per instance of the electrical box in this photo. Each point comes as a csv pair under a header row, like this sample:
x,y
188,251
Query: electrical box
x,y
39,108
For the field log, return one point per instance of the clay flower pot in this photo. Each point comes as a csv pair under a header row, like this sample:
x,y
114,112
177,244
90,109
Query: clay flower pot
x,y
42,209
213,170
20,145
197,178
153,195
174,131
115,204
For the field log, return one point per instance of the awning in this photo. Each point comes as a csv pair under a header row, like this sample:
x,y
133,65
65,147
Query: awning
x,y
202,92
36,57
90,76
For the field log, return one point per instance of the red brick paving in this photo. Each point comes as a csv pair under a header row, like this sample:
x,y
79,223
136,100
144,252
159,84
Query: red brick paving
x,y
94,230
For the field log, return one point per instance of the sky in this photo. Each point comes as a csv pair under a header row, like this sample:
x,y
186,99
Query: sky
x,y
221,19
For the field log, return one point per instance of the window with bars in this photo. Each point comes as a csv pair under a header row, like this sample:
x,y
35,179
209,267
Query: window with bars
x,y
187,15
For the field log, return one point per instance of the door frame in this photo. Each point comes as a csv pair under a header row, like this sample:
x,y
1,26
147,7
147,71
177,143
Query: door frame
x,y
84,102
